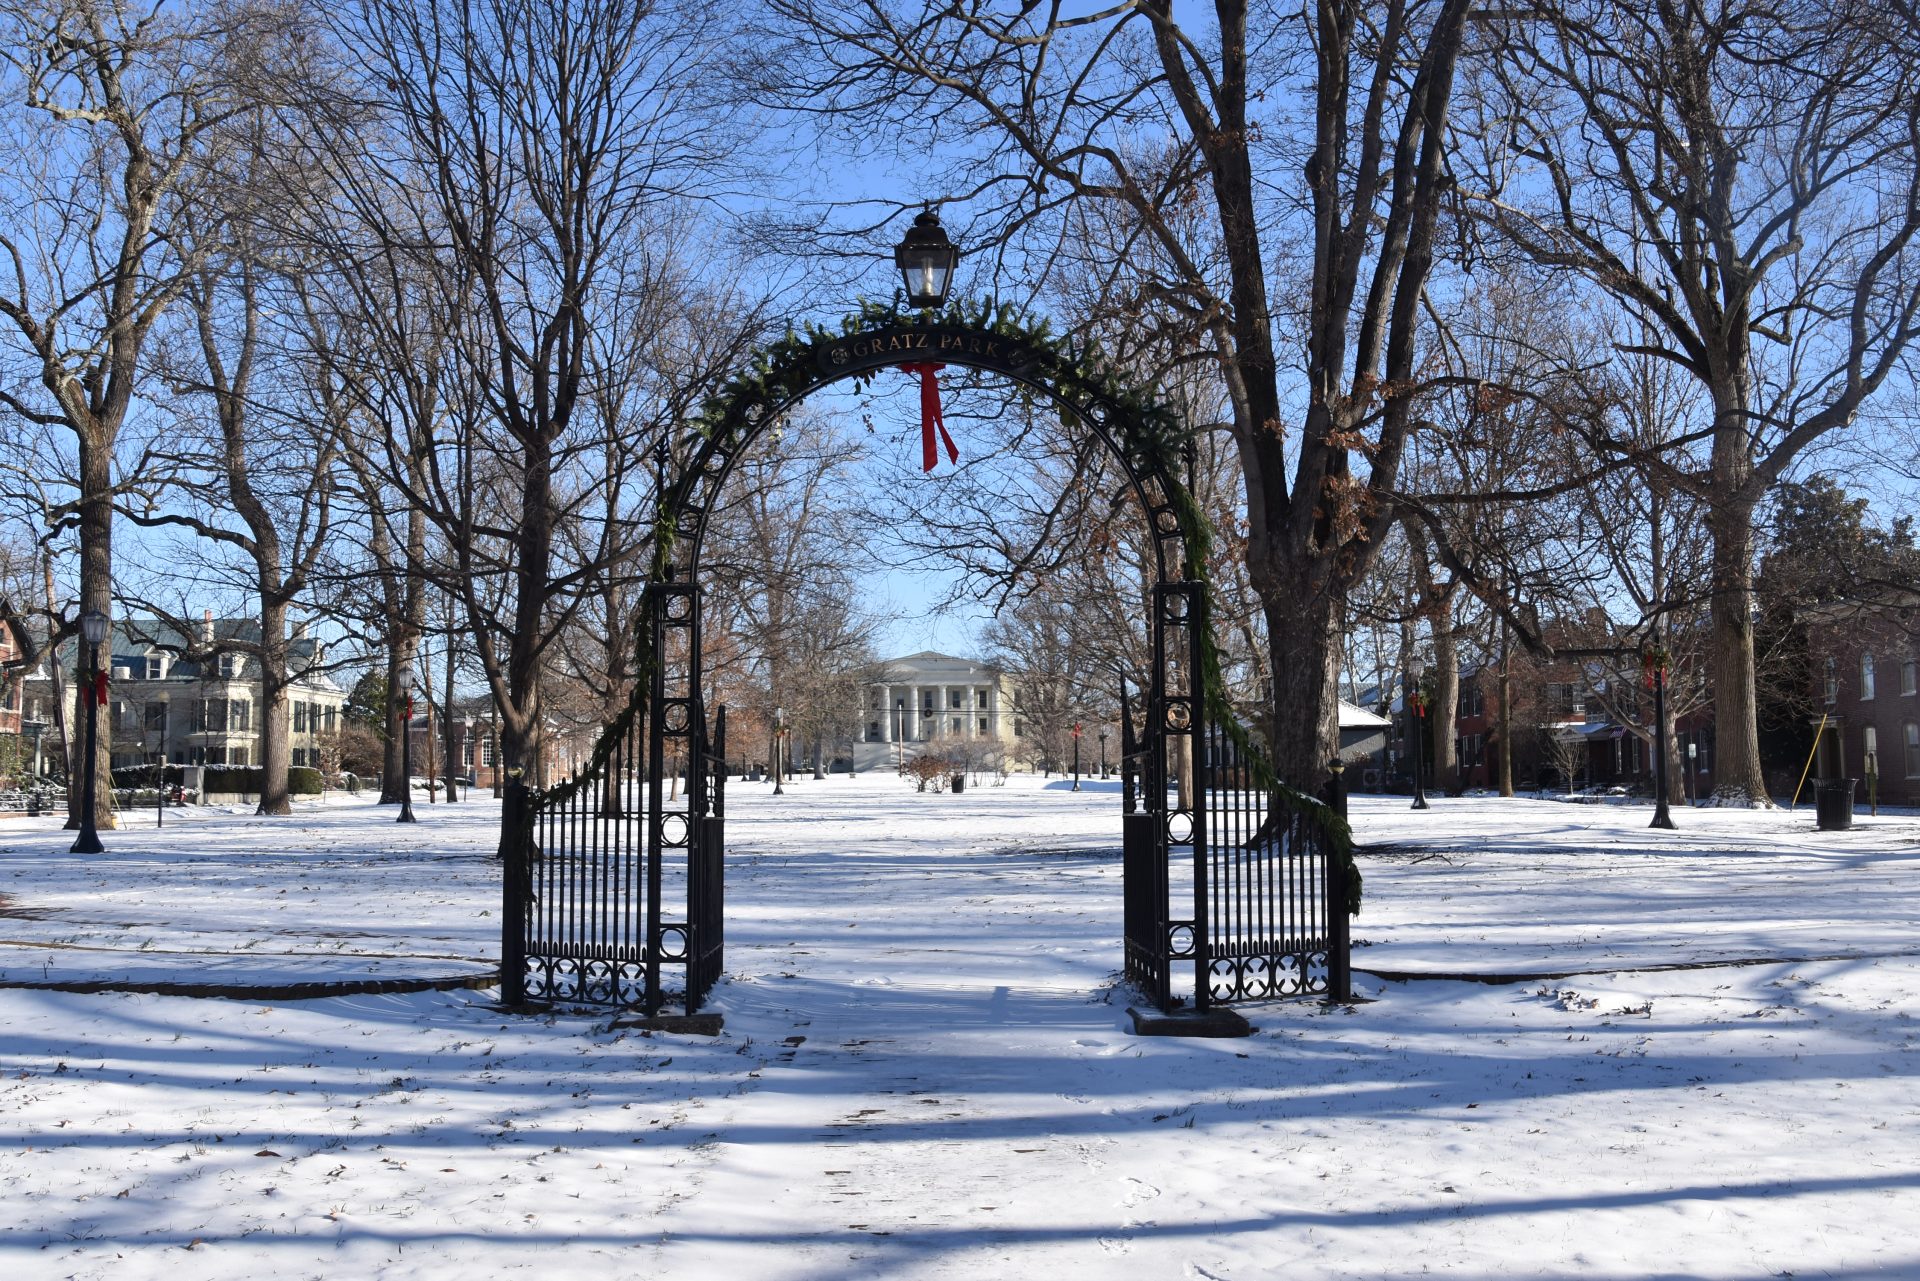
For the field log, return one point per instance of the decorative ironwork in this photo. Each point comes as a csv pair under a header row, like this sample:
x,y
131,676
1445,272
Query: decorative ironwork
x,y
1276,899
591,863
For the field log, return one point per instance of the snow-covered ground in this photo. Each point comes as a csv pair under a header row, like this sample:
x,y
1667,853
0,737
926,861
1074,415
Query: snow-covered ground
x,y
926,1072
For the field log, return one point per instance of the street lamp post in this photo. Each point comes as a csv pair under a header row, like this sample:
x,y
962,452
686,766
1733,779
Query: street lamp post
x,y
1103,753
93,628
899,732
1661,817
1076,756
1693,784
1416,728
779,729
406,765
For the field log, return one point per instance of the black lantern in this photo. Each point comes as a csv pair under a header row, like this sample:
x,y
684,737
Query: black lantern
x,y
926,257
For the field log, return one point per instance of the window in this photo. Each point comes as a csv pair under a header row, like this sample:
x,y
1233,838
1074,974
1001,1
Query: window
x,y
240,717
157,717
1907,676
1831,683
237,756
229,665
1870,743
1913,750
1866,676
983,699
1019,729
486,751
299,717
332,719
213,719
873,731
983,724
954,699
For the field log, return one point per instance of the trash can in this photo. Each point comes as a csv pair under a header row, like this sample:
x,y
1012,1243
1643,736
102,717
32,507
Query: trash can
x,y
1833,803
958,782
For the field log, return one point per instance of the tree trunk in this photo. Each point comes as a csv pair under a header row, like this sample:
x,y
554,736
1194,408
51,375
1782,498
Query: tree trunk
x,y
393,781
404,627
1443,716
432,743
1303,642
96,593
450,752
276,748
1738,779
1504,715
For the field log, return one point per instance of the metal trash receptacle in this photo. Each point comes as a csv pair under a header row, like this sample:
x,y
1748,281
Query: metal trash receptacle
x,y
1833,804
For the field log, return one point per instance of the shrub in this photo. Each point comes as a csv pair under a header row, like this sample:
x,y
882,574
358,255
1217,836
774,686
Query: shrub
x,y
233,778
149,776
930,772
304,780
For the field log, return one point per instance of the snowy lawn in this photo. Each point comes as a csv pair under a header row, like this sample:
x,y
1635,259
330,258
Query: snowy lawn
x,y
925,1070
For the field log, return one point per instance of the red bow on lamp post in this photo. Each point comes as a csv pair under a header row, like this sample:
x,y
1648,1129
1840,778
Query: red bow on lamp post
x,y
930,418
100,688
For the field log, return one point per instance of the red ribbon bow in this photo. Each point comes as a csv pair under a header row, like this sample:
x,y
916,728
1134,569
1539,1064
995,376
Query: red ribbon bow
x,y
930,419
100,688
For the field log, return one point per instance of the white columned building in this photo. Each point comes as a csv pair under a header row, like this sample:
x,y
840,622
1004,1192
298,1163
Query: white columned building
x,y
938,699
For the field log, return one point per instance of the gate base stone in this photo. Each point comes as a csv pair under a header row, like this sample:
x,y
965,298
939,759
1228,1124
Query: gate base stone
x,y
683,1024
1214,1022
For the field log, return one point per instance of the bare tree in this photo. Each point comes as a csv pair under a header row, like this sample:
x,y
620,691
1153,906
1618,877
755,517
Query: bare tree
x,y
1053,108
1725,174
112,109
541,153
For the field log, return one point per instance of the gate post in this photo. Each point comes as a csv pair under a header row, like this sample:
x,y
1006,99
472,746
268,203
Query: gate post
x,y
1338,939
513,894
1200,742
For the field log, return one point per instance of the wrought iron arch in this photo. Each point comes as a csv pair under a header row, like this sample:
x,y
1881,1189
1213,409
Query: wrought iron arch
x,y
1143,437
594,860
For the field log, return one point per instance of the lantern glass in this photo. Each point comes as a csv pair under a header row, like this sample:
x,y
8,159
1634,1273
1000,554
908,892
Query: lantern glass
x,y
926,259
1417,668
93,626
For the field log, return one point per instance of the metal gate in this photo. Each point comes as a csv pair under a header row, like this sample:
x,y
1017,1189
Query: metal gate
x,y
615,873
1242,880
618,873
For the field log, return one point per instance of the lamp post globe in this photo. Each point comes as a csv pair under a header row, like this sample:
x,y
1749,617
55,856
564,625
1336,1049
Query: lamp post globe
x,y
93,630
926,260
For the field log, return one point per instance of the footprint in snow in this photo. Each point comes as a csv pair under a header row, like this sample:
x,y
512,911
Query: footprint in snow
x,y
1139,1191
